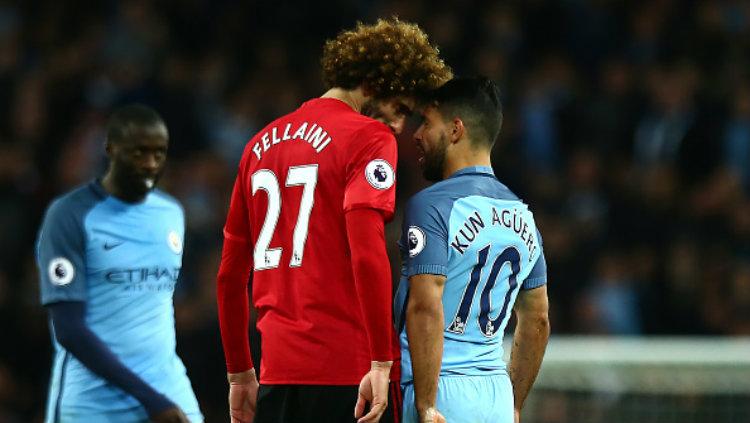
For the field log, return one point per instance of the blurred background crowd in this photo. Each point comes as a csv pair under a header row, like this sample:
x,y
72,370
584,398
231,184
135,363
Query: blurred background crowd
x,y
627,130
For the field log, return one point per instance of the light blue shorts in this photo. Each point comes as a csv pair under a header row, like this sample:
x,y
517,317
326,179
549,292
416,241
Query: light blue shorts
x,y
468,399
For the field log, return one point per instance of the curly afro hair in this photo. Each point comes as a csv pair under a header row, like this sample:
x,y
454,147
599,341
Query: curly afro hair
x,y
391,58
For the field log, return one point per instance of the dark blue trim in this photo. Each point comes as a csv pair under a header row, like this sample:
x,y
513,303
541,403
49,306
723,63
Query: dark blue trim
x,y
58,401
98,189
473,169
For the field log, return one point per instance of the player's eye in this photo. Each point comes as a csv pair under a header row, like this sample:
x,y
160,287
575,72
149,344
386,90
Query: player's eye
x,y
404,110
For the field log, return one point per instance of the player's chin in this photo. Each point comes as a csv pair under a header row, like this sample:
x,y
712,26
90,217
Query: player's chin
x,y
142,185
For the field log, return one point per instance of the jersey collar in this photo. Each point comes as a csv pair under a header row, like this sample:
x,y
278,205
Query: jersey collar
x,y
483,170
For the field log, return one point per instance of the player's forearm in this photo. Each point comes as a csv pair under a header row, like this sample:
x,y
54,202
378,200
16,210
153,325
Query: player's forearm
x,y
372,278
529,342
233,305
68,320
424,329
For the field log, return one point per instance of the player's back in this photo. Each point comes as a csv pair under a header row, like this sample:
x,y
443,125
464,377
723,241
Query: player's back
x,y
492,247
300,174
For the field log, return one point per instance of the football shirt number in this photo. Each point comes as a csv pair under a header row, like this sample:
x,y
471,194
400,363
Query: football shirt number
x,y
487,326
264,179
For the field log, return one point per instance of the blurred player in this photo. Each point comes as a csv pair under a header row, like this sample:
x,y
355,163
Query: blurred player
x,y
306,224
471,252
109,255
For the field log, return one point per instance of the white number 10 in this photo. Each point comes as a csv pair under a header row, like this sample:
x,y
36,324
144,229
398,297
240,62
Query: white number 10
x,y
269,258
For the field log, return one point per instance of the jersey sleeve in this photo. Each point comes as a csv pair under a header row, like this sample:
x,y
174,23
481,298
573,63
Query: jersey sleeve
x,y
538,275
237,226
371,177
61,254
425,236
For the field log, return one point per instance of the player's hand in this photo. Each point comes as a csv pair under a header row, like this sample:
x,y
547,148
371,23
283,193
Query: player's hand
x,y
431,415
516,415
170,415
373,390
243,395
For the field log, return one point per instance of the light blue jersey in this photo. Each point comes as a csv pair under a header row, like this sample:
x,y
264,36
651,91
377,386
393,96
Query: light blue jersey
x,y
123,261
476,232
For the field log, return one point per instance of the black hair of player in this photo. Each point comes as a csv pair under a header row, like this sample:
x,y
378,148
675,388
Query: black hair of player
x,y
474,100
129,119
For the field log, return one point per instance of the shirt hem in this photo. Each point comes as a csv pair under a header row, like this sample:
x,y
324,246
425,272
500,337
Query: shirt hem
x,y
533,283
431,269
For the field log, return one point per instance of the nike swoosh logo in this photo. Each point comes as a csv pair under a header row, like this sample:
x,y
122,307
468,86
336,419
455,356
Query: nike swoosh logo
x,y
108,246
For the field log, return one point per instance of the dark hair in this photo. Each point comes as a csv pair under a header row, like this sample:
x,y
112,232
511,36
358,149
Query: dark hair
x,y
127,118
390,57
476,101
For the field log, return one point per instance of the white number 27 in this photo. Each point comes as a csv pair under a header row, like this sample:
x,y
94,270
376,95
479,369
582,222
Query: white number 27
x,y
307,176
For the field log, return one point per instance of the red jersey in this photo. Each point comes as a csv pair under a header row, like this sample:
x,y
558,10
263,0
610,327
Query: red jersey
x,y
297,178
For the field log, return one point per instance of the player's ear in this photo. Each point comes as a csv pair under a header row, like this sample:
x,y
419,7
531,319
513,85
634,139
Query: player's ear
x,y
366,90
457,130
109,148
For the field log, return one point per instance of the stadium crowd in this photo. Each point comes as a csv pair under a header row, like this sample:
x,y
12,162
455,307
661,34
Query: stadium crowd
x,y
627,130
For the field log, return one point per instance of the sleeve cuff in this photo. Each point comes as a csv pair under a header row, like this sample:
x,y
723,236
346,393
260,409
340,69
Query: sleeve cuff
x,y
534,283
59,297
423,269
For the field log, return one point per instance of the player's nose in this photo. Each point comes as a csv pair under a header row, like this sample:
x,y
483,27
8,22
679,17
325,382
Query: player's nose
x,y
397,125
150,163
418,134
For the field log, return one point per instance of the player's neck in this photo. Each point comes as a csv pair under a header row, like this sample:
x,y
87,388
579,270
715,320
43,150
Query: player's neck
x,y
354,98
109,184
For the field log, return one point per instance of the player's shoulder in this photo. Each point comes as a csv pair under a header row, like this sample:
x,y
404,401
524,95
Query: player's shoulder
x,y
75,203
443,194
482,183
162,198
437,198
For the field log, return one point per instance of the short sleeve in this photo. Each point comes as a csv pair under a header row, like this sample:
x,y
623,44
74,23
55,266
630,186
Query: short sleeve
x,y
237,226
538,275
424,238
61,254
371,176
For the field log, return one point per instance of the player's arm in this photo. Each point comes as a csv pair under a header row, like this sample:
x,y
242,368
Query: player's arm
x,y
232,282
424,329
369,201
372,279
529,341
69,323
425,234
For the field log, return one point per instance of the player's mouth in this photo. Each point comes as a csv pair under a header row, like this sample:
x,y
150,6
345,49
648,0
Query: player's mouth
x,y
148,181
420,154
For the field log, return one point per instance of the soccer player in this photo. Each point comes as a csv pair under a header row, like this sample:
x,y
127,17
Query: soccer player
x,y
306,224
109,255
471,252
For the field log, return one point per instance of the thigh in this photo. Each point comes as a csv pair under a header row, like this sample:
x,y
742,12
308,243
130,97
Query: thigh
x,y
305,404
392,413
475,399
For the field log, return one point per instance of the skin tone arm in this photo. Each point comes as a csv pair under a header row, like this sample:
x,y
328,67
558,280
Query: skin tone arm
x,y
243,394
424,329
529,342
